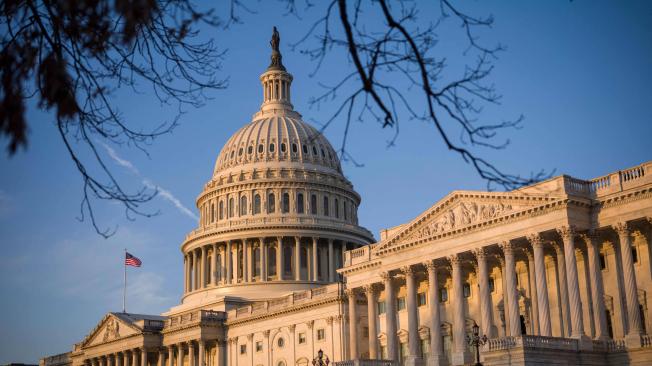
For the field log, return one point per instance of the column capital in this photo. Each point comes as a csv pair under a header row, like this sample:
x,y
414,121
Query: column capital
x,y
266,333
430,266
454,259
566,232
480,253
622,228
407,271
535,240
386,276
507,246
350,292
529,254
369,289
250,337
590,237
310,324
559,247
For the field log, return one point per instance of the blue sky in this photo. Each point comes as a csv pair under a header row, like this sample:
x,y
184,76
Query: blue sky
x,y
580,72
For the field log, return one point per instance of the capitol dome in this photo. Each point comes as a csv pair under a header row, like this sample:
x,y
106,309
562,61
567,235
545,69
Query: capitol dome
x,y
277,214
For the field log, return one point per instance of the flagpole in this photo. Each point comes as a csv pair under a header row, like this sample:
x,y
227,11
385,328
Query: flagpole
x,y
124,292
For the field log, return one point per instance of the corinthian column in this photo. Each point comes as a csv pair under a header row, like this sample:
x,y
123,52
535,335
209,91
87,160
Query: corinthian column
x,y
315,260
533,291
214,275
485,295
331,261
567,234
279,258
597,290
297,258
353,324
436,353
229,262
542,285
512,293
390,316
370,291
413,321
563,290
263,259
460,354
633,337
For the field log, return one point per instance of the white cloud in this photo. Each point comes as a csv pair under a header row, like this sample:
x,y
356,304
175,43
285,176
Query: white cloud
x,y
163,193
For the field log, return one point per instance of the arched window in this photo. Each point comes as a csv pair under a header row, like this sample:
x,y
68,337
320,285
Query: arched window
x,y
271,261
212,212
326,206
345,210
300,203
231,207
314,150
243,205
271,148
283,147
336,208
271,203
286,203
221,210
260,148
294,148
240,152
313,204
250,150
256,204
305,149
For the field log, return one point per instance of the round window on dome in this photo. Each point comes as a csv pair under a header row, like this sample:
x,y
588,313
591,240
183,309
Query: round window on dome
x,y
294,148
305,149
240,152
281,342
271,148
260,148
314,150
323,154
283,147
232,154
250,149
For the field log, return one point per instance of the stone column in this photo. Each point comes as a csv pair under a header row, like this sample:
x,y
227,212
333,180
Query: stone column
x,y
263,259
125,358
279,258
236,262
563,289
413,320
170,356
353,324
390,316
229,263
633,337
251,270
331,262
512,293
117,359
436,351
161,357
486,315
191,354
315,260
460,354
179,354
193,270
223,264
297,258
533,291
143,357
567,234
597,290
542,285
214,275
185,273
370,291
204,264
134,358
245,260
201,352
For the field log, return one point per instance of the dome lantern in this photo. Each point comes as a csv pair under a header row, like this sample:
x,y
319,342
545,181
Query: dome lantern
x,y
276,81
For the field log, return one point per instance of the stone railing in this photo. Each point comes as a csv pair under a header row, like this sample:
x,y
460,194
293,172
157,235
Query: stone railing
x,y
297,297
359,255
534,342
499,344
230,224
194,317
362,362
615,345
646,341
60,359
611,183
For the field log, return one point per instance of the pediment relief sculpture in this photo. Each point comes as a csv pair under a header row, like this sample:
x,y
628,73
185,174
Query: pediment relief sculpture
x,y
112,330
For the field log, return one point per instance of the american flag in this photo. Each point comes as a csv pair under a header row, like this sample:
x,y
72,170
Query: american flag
x,y
130,260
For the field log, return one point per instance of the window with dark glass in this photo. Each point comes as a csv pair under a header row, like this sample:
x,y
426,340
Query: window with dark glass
x,y
256,204
243,349
314,151
492,284
240,152
243,205
313,204
421,299
283,148
286,203
271,148
345,210
603,261
443,294
381,307
634,255
212,212
336,208
466,290
326,206
271,204
221,210
259,346
305,149
300,207
231,204
302,338
250,149
321,334
400,303
280,342
294,148
260,148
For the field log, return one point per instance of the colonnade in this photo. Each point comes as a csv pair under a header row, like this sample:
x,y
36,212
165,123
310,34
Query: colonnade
x,y
263,259
560,244
171,355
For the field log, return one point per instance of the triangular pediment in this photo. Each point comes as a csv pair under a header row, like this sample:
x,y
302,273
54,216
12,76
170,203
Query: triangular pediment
x,y
462,209
109,328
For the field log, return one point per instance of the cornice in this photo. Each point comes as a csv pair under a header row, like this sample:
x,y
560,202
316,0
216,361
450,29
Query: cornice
x,y
360,266
625,197
290,309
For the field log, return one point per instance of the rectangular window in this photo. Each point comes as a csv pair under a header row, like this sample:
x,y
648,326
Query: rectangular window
x,y
300,203
313,204
259,346
466,290
443,294
421,299
634,255
243,349
400,303
381,307
492,285
302,338
321,334
326,206
603,261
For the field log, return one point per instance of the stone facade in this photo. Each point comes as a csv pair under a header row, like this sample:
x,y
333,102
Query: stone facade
x,y
554,273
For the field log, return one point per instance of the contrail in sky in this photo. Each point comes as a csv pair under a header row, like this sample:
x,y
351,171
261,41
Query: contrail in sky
x,y
163,193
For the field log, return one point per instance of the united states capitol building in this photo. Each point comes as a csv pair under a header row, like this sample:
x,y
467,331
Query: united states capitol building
x,y
279,268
